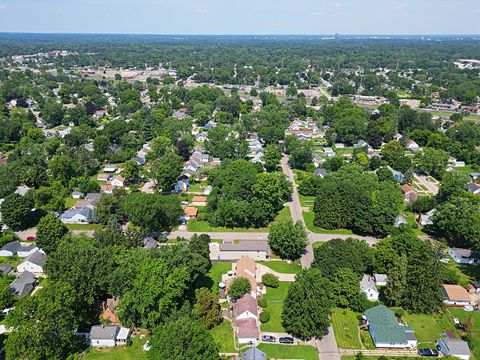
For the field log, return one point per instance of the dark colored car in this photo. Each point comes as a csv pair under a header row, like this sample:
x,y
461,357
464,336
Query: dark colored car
x,y
286,340
269,338
428,352
460,327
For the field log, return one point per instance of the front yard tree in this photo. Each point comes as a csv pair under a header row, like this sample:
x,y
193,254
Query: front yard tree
x,y
15,210
166,170
397,281
240,286
182,338
288,239
50,231
206,308
307,307
272,157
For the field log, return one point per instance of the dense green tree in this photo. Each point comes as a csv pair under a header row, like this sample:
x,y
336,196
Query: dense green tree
x,y
397,281
432,162
288,239
453,184
343,254
345,286
44,325
239,287
166,170
272,157
50,231
307,307
53,113
182,338
207,308
16,210
270,280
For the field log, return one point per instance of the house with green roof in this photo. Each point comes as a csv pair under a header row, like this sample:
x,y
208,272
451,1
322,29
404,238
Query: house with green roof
x,y
385,330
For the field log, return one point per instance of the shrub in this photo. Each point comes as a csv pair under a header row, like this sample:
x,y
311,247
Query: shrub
x,y
399,313
262,303
270,280
240,286
264,317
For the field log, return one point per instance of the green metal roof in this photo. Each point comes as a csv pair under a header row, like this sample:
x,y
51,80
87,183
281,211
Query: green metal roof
x,y
386,328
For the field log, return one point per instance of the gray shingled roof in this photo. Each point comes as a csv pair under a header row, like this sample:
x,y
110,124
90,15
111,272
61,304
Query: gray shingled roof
x,y
12,246
254,354
245,245
23,284
36,258
103,332
5,269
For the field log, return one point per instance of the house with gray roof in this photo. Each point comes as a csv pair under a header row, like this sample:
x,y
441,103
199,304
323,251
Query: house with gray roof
x,y
464,256
77,216
108,335
385,330
254,354
320,172
473,188
24,284
454,347
367,286
254,249
5,269
33,263
10,249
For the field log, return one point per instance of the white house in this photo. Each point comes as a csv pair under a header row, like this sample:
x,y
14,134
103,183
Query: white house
x,y
380,279
118,181
15,248
34,263
455,296
28,250
473,188
110,168
246,320
463,256
454,347
76,216
108,335
367,286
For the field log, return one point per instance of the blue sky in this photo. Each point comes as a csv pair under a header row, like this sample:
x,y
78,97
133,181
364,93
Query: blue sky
x,y
242,16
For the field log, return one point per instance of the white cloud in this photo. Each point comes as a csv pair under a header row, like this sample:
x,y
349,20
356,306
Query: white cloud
x,y
318,13
202,11
2,6
338,4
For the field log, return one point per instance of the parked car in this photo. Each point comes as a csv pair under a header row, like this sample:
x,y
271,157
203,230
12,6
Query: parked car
x,y
428,352
286,340
460,326
269,338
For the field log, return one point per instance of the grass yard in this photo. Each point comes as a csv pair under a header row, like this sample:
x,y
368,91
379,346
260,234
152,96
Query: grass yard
x,y
309,216
84,227
283,267
353,357
223,336
196,225
275,298
216,272
13,261
132,352
474,339
277,351
345,326
69,202
428,328
467,169
466,274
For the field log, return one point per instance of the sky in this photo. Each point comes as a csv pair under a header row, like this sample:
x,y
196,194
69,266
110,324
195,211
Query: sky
x,y
242,16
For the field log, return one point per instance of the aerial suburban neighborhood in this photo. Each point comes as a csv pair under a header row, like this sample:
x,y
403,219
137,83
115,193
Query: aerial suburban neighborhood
x,y
238,197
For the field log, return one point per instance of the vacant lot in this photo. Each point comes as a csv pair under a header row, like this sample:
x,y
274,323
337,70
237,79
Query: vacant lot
x,y
132,352
223,336
277,351
283,267
275,298
473,338
345,326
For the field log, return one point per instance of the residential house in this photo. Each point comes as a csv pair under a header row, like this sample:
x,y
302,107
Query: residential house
x,y
329,152
201,137
412,146
455,296
246,267
77,216
150,243
318,160
321,172
463,256
107,189
473,188
118,181
190,212
76,194
380,279
103,177
207,190
93,198
254,354
27,250
385,330
22,190
108,310
199,201
397,175
456,348
14,248
246,320
5,269
33,263
23,284
426,219
474,175
400,220
108,335
409,193
255,249
110,169
367,286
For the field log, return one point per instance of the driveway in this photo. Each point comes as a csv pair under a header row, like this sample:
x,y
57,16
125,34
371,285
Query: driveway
x,y
327,347
431,186
262,270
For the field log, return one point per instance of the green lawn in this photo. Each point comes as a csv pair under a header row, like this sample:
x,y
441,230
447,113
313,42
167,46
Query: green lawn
x,y
196,225
309,216
466,274
474,339
345,325
197,187
69,202
277,351
428,328
13,261
223,336
283,267
83,227
133,352
216,272
467,169
275,298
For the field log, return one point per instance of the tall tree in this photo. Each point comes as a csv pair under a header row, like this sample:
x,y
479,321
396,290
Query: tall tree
x,y
166,170
50,230
207,308
288,239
